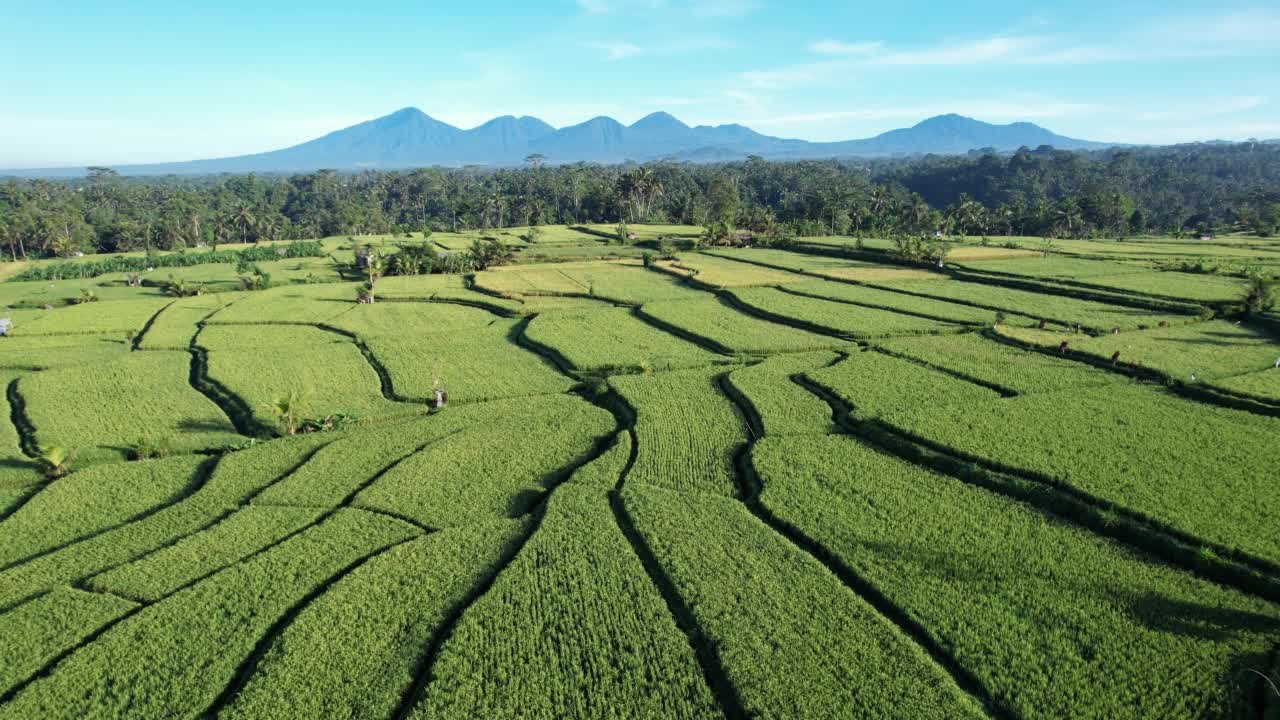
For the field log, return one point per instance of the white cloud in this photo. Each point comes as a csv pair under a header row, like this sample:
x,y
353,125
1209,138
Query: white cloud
x,y
724,8
621,49
979,51
617,50
836,47
1207,107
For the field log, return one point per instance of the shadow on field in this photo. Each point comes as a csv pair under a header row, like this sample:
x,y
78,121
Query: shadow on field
x,y
16,464
201,426
1205,622
523,502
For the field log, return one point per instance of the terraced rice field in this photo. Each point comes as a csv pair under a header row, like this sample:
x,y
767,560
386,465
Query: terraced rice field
x,y
746,483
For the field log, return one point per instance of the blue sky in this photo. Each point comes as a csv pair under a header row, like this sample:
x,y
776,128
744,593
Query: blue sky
x,y
144,81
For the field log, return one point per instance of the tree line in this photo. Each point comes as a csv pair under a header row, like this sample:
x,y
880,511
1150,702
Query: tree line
x,y
1040,192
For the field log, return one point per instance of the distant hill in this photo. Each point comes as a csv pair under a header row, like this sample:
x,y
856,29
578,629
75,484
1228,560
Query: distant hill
x,y
411,138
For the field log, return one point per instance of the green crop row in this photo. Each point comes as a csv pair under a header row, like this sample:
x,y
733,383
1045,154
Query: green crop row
x,y
997,364
173,658
231,540
107,411
783,406
793,641
46,352
1130,446
114,317
474,366
174,327
851,321
606,470
326,373
1053,267
1175,285
346,465
874,383
715,321
876,298
1209,350
38,631
612,651
310,304
611,338
1263,384
399,319
725,273
92,500
614,282
387,611
138,263
1089,314
782,259
237,476
686,430
1052,621
493,470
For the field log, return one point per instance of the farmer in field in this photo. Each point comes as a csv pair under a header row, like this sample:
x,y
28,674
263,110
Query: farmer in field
x,y
441,396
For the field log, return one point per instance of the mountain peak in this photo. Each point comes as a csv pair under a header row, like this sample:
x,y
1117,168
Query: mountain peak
x,y
948,120
658,121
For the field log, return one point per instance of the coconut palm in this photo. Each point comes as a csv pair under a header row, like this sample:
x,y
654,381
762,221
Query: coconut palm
x,y
288,410
55,462
243,217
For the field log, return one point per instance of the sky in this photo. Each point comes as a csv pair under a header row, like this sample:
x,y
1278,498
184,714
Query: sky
x,y
135,81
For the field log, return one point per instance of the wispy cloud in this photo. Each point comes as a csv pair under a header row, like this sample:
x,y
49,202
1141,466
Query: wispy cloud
x,y
601,7
1233,34
724,8
980,51
1209,107
622,49
697,8
617,50
835,47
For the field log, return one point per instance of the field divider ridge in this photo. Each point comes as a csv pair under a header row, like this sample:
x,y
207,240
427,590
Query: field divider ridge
x,y
198,479
136,343
1196,393
751,487
1174,547
250,663
233,406
708,658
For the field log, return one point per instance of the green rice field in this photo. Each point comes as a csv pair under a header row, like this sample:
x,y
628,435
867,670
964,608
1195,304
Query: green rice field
x,y
812,482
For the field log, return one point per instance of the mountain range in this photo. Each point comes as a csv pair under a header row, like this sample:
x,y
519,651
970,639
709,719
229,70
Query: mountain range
x,y
411,138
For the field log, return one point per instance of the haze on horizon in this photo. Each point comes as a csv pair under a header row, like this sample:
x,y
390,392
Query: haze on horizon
x,y
91,84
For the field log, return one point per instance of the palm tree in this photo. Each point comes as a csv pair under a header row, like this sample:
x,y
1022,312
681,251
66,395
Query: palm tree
x,y
243,216
55,462
1068,217
288,409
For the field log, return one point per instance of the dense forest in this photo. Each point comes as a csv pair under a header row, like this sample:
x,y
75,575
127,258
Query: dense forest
x,y
1045,192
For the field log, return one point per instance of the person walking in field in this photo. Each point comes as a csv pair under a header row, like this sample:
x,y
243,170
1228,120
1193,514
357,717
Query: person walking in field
x,y
1063,347
1115,357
